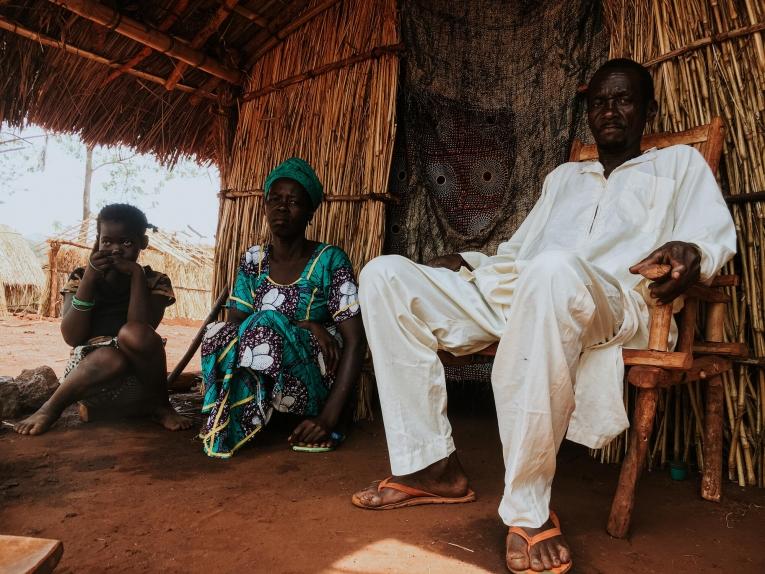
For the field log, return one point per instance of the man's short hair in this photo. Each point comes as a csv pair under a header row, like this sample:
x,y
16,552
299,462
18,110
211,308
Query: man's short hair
x,y
133,218
646,81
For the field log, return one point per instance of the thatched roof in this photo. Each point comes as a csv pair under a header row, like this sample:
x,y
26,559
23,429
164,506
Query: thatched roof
x,y
62,69
18,264
21,276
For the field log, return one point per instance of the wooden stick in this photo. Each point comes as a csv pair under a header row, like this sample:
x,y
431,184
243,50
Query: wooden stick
x,y
236,194
53,43
197,340
374,53
148,36
200,38
279,36
172,16
745,197
251,15
716,39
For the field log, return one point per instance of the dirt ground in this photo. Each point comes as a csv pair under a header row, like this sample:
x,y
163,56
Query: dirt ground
x,y
28,341
126,496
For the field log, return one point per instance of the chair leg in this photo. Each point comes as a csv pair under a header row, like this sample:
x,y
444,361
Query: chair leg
x,y
711,481
624,499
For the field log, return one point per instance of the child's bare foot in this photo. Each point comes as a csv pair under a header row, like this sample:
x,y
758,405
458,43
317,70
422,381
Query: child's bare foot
x,y
170,419
38,423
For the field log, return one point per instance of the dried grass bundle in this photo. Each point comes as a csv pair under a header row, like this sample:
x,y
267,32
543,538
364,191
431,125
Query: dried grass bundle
x,y
707,59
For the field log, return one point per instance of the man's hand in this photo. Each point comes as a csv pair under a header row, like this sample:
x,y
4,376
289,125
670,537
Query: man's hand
x,y
327,343
452,262
684,260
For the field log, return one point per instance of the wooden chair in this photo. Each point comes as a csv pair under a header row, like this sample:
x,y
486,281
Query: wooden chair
x,y
656,366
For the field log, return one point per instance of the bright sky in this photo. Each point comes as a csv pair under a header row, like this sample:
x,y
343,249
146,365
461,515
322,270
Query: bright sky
x,y
36,202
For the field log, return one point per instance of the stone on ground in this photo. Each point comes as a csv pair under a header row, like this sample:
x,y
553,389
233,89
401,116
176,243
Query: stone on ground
x,y
36,386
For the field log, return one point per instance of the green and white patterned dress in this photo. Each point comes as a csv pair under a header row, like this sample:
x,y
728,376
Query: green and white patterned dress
x,y
267,362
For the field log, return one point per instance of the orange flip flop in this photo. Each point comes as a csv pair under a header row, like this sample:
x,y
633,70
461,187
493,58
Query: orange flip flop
x,y
537,538
418,497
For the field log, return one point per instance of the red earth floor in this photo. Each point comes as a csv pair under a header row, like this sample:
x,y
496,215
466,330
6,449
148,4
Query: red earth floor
x,y
126,496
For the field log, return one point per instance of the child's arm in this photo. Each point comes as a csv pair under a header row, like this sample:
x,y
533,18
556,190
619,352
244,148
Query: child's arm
x,y
144,306
75,323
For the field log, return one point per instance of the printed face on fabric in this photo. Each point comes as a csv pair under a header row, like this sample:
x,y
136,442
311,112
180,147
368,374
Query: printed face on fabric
x,y
288,208
116,238
617,108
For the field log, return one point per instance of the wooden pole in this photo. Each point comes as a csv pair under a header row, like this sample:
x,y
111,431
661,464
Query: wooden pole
x,y
711,481
201,37
279,36
197,340
148,36
252,16
53,270
40,38
344,63
700,43
172,16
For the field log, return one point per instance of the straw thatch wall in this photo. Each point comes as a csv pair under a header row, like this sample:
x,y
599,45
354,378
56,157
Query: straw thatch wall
x,y
327,95
21,278
707,59
189,268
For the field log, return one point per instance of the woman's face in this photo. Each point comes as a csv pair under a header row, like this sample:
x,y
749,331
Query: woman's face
x,y
288,208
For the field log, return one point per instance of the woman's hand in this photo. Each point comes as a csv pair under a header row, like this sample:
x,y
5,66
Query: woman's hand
x,y
327,343
310,431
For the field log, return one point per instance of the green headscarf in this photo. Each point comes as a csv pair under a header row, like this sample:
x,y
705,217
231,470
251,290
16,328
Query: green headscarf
x,y
300,171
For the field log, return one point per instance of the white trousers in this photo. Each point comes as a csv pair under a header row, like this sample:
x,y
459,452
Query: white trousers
x,y
560,305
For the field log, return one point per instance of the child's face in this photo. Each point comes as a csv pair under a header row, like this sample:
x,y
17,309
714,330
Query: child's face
x,y
115,239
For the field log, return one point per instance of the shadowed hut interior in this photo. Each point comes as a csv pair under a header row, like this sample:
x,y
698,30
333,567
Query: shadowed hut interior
x,y
246,84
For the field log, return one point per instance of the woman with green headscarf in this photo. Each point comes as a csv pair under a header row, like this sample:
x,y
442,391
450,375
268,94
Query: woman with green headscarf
x,y
293,340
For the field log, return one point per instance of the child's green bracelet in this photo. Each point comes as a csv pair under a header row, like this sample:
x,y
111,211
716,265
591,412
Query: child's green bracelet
x,y
80,304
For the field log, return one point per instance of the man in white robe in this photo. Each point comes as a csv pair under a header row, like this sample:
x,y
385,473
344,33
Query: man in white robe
x,y
562,297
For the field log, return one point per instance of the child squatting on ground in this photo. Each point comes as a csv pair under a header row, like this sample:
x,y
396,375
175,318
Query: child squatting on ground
x,y
110,313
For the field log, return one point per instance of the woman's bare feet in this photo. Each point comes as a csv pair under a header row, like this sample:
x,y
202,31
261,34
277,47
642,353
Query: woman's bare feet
x,y
443,478
541,556
167,416
38,423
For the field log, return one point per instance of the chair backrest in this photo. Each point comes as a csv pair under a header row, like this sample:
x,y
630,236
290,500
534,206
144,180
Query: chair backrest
x,y
708,139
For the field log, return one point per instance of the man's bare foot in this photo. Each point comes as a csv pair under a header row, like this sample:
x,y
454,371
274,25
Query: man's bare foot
x,y
38,423
443,478
543,555
170,419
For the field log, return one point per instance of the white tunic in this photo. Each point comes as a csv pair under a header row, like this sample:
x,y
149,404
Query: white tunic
x,y
660,196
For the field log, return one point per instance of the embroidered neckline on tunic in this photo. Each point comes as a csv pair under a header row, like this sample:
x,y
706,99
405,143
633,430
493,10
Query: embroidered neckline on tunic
x,y
594,166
